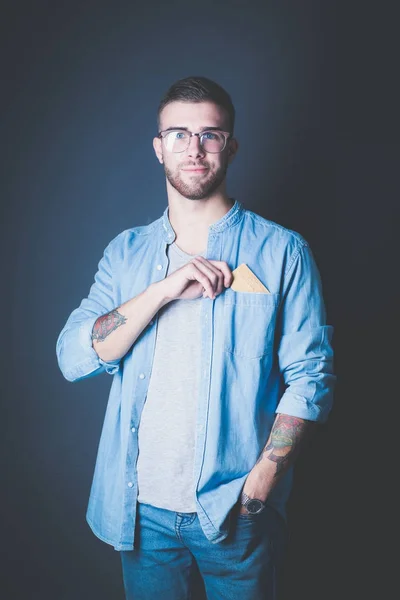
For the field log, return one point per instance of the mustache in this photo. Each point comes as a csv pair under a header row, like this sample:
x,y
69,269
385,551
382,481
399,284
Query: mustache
x,y
203,165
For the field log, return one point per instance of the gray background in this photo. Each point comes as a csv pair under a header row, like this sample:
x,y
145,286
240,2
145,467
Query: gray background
x,y
313,85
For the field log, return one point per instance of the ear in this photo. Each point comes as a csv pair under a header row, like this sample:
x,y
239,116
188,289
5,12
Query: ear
x,y
157,145
232,149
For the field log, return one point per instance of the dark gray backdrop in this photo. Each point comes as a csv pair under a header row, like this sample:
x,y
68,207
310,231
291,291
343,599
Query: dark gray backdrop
x,y
312,85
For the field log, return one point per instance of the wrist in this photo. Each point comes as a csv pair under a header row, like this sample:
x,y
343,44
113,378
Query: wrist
x,y
257,485
252,505
157,291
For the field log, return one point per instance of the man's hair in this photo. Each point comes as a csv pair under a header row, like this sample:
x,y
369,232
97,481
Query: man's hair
x,y
199,89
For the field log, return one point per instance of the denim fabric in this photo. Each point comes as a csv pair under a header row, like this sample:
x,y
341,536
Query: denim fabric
x,y
169,545
260,354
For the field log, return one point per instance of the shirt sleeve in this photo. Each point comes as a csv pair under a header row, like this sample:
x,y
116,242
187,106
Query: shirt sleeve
x,y
76,356
305,353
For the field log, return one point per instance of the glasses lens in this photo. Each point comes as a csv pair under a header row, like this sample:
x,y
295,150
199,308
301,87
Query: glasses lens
x,y
212,141
176,141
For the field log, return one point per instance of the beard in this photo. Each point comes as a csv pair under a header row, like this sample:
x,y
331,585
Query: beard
x,y
198,190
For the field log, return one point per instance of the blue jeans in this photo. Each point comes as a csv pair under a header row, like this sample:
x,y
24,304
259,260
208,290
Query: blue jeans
x,y
171,547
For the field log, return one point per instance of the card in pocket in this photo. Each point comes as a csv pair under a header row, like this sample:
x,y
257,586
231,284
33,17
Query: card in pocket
x,y
244,280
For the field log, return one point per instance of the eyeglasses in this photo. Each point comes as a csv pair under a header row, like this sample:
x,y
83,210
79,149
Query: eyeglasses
x,y
178,140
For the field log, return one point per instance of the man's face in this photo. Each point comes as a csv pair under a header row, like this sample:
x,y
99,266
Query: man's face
x,y
194,173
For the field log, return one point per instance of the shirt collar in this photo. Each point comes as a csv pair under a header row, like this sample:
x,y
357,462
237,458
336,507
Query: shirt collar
x,y
228,220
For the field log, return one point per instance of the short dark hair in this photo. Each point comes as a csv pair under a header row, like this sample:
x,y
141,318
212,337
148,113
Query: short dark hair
x,y
199,89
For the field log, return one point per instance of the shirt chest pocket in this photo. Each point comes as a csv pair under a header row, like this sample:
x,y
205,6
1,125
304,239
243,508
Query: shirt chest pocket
x,y
249,323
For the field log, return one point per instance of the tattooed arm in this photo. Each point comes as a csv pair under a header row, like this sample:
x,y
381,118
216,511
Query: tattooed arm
x,y
287,437
115,332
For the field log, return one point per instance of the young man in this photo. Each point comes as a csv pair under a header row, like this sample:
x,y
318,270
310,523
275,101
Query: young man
x,y
218,375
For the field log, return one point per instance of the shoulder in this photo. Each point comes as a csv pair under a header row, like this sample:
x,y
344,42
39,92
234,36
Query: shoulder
x,y
271,228
126,238
282,238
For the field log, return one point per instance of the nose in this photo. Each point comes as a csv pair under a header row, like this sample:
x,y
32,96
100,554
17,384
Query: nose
x,y
194,148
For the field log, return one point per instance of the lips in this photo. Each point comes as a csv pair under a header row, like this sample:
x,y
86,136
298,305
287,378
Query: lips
x,y
198,169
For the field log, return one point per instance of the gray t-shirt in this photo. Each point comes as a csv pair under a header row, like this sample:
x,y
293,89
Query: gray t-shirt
x,y
167,429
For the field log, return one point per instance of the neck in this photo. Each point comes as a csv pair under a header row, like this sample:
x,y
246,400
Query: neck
x,y
190,219
197,215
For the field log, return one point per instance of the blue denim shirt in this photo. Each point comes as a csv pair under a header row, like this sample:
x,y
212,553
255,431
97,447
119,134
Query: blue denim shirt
x,y
260,354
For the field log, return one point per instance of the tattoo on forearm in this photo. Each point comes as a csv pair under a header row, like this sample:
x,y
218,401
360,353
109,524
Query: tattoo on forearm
x,y
284,442
106,324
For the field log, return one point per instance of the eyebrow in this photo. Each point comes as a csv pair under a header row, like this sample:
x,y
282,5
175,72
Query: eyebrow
x,y
187,129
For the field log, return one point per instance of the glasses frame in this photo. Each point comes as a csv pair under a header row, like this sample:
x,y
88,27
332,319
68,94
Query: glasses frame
x,y
227,135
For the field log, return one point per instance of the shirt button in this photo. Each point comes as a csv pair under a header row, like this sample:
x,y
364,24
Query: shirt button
x,y
130,484
159,267
133,429
142,376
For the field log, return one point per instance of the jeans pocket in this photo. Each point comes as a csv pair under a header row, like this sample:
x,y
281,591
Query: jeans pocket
x,y
249,516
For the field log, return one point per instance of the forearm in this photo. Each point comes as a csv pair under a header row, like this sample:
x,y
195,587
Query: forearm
x,y
287,436
115,332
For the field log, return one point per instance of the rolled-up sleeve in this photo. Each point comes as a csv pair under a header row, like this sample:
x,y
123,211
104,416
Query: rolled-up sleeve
x,y
305,352
76,356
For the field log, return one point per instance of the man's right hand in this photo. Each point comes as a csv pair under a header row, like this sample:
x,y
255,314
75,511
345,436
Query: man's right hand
x,y
199,277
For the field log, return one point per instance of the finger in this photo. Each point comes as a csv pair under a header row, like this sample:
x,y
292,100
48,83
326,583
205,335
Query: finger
x,y
212,273
219,282
197,274
226,271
